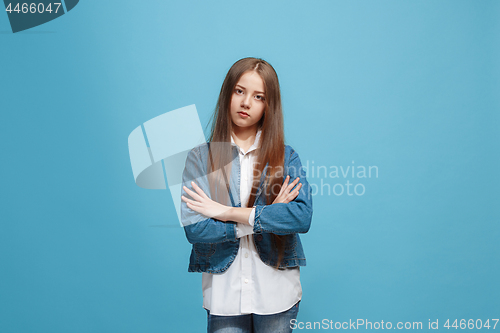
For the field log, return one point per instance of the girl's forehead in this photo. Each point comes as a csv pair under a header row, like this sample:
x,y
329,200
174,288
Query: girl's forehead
x,y
251,80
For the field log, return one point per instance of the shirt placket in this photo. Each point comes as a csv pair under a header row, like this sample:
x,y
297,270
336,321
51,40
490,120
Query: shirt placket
x,y
246,266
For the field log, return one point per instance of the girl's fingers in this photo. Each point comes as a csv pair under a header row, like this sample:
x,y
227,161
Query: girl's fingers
x,y
199,190
287,191
297,190
286,188
292,184
192,202
192,194
292,195
193,207
285,184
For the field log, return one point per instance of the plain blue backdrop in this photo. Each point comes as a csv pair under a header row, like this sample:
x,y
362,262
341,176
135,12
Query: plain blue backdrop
x,y
411,87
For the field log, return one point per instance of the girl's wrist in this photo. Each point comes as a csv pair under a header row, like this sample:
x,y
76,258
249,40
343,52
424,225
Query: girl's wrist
x,y
226,216
231,214
237,214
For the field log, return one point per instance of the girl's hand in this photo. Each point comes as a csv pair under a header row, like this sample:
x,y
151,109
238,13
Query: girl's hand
x,y
285,196
203,204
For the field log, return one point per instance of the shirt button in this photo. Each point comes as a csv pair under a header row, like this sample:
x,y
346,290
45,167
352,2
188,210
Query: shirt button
x,y
246,280
246,255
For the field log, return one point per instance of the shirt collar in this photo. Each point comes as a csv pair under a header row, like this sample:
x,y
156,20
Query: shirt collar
x,y
252,147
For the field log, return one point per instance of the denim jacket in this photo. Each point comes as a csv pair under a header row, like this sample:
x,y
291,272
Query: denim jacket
x,y
214,242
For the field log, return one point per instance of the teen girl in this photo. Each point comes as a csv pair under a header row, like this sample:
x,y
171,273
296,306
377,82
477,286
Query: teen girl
x,y
245,199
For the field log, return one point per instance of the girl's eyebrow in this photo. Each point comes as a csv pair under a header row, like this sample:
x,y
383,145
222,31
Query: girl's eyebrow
x,y
259,92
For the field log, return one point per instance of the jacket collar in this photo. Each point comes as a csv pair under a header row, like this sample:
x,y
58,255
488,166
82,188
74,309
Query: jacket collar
x,y
255,145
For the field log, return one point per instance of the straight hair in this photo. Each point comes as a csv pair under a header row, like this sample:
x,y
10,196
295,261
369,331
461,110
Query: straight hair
x,y
270,156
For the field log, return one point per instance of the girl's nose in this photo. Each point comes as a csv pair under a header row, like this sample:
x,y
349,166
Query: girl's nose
x,y
246,101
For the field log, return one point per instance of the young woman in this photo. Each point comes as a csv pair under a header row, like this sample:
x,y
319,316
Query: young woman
x,y
245,199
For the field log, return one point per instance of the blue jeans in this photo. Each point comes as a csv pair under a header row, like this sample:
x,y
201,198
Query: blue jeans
x,y
253,323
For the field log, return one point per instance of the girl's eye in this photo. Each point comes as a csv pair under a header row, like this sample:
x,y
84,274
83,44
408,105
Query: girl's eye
x,y
260,98
239,91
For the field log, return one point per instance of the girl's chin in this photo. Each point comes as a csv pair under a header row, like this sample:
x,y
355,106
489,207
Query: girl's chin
x,y
243,125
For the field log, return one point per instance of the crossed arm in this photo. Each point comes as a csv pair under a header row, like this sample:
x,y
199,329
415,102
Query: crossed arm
x,y
207,221
202,204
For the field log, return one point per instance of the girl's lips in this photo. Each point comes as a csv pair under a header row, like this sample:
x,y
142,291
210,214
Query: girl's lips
x,y
243,114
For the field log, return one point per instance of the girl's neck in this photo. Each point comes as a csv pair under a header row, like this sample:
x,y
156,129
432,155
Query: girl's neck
x,y
244,137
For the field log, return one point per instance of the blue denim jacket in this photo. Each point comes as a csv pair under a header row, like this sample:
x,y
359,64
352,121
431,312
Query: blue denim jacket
x,y
214,242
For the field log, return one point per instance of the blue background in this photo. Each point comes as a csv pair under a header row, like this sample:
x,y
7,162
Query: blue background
x,y
411,87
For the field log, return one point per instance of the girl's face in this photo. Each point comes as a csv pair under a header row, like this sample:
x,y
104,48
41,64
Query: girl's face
x,y
248,101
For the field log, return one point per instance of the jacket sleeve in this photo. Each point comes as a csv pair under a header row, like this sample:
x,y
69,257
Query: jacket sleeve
x,y
199,228
292,217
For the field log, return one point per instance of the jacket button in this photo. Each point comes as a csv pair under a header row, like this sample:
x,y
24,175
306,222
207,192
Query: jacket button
x,y
258,237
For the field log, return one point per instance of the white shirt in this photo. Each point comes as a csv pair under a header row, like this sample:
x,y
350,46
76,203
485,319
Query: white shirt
x,y
249,285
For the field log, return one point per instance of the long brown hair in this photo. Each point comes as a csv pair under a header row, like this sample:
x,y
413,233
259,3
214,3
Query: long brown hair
x,y
270,156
